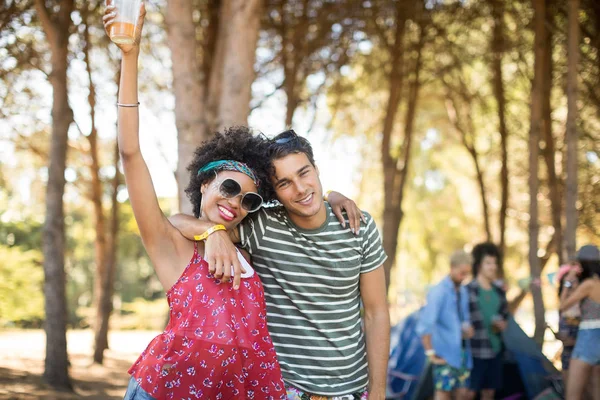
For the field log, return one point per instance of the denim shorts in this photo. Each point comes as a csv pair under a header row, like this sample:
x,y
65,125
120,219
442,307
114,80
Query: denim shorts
x,y
135,392
587,348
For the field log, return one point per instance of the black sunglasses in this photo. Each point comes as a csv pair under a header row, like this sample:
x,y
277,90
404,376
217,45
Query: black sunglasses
x,y
285,137
230,188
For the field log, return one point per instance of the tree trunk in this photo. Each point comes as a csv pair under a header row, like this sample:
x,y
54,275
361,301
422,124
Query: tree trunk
x,y
498,49
96,194
455,116
106,301
391,209
482,191
396,169
56,26
242,19
209,44
537,92
571,139
293,52
549,150
514,304
188,89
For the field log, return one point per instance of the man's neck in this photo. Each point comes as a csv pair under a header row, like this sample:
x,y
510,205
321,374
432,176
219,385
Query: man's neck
x,y
484,282
456,284
312,222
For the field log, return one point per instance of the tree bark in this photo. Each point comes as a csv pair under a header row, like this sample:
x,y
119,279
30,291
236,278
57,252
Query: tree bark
x,y
188,89
56,25
292,54
395,169
96,193
391,209
107,283
549,148
498,50
571,139
222,98
242,19
209,44
537,92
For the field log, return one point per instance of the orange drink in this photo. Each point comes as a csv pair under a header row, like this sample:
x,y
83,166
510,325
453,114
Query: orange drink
x,y
122,32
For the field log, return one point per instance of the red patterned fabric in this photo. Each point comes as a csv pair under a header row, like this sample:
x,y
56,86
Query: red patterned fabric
x,y
216,345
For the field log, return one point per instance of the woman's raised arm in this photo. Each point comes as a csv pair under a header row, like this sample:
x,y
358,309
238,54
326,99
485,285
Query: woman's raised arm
x,y
164,244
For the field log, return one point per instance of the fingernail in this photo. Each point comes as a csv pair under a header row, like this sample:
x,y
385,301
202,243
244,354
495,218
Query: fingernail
x,y
236,287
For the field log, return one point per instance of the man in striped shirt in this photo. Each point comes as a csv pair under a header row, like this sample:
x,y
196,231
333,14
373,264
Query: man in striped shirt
x,y
316,273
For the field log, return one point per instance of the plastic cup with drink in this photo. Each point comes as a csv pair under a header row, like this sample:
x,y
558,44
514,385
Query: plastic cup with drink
x,y
495,320
122,31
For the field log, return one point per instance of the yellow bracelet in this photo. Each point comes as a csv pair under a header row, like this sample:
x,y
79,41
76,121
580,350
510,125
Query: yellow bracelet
x,y
210,231
326,196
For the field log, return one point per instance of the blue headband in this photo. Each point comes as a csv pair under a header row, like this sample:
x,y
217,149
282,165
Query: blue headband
x,y
230,165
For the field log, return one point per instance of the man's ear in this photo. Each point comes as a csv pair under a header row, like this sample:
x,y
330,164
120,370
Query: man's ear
x,y
317,169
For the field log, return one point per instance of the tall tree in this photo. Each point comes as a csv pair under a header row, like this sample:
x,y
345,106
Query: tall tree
x,y
216,92
537,92
498,44
188,90
571,135
395,161
96,194
55,18
238,37
105,301
549,148
315,37
461,116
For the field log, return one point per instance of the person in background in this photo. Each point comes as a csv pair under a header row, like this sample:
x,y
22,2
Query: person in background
x,y
445,327
489,314
585,359
568,322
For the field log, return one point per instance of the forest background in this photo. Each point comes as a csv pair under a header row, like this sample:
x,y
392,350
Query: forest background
x,y
452,122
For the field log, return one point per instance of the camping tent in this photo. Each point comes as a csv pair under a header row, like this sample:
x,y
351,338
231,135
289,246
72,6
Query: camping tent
x,y
526,370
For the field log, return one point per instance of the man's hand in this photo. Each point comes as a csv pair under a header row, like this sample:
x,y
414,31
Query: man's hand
x,y
339,203
221,254
468,333
437,360
500,325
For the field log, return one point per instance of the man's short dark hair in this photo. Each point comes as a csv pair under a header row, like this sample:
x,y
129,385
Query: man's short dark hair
x,y
485,249
288,142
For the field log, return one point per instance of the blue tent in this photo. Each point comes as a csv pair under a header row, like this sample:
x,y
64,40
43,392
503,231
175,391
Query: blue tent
x,y
526,370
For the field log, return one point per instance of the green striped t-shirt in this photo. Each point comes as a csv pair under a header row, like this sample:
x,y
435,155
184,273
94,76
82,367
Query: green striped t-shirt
x,y
311,282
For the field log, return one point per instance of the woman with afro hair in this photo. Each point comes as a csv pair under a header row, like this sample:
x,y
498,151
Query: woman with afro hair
x,y
216,344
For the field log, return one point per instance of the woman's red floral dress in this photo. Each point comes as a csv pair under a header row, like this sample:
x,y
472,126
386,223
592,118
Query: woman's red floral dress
x,y
216,345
